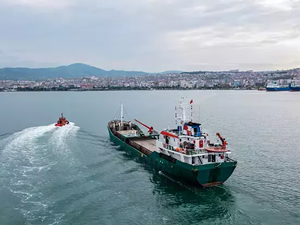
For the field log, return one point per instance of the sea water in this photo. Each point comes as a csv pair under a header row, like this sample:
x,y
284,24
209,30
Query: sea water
x,y
75,175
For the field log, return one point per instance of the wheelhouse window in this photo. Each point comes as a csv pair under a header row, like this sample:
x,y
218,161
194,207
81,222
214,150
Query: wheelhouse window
x,y
195,131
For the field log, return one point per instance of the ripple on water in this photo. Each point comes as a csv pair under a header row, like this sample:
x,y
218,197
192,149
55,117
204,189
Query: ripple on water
x,y
27,159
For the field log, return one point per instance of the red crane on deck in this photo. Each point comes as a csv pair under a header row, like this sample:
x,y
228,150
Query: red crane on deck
x,y
224,143
150,129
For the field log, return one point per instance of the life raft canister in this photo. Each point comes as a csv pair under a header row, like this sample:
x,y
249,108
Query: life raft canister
x,y
201,143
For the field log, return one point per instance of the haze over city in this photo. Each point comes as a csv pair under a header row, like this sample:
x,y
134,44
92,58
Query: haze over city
x,y
151,35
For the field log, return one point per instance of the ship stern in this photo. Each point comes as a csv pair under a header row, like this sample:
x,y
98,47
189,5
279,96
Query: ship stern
x,y
215,174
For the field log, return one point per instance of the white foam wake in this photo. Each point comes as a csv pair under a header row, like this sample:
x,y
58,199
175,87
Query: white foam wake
x,y
63,139
24,142
25,159
24,154
28,140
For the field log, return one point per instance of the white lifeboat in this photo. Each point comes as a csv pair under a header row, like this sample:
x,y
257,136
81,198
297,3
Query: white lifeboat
x,y
216,149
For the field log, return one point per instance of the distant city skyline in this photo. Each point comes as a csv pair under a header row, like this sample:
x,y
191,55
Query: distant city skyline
x,y
151,35
190,80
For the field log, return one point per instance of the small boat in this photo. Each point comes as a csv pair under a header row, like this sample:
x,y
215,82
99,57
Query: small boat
x,y
261,89
217,147
61,121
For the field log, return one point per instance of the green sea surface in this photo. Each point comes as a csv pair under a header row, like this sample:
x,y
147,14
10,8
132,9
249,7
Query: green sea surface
x,y
75,175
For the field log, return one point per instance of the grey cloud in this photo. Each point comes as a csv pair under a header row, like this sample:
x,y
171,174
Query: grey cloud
x,y
150,35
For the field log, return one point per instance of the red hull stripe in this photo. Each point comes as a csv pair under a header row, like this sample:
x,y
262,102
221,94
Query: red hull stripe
x,y
168,134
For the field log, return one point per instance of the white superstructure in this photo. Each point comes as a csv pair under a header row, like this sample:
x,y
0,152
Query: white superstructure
x,y
187,143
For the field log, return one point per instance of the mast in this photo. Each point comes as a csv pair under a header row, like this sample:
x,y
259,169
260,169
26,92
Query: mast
x,y
191,104
122,113
182,107
184,113
180,115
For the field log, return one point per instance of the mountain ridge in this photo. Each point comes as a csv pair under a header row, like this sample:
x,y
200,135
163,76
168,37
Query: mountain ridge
x,y
75,70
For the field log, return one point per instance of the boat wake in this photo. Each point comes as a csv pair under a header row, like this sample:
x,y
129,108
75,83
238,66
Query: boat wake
x,y
23,145
30,144
62,140
25,160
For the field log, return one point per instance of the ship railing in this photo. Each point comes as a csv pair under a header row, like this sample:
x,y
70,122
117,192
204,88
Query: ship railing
x,y
227,159
200,160
186,151
169,147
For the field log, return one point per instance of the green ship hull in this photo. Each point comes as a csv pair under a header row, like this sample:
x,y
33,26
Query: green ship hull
x,y
204,175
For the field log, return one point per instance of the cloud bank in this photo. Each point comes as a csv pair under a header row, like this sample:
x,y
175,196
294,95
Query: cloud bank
x,y
151,35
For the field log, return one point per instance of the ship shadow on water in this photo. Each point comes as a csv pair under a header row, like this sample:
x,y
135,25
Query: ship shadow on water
x,y
214,205
209,205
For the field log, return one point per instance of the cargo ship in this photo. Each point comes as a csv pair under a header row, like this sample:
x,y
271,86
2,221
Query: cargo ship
x,y
295,86
277,87
184,153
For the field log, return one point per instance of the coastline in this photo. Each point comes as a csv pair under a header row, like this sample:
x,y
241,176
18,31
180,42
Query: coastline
x,y
125,89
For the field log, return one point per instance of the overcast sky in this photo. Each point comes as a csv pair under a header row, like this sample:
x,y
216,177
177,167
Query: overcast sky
x,y
151,35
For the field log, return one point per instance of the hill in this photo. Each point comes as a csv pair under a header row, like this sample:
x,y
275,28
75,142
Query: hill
x,y
75,70
171,71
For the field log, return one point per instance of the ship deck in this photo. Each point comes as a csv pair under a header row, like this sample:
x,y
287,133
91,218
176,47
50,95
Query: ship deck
x,y
145,144
149,144
128,133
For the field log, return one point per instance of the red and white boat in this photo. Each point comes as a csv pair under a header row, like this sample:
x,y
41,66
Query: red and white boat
x,y
62,121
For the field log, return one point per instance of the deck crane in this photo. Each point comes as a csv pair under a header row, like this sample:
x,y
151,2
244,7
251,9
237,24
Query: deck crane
x,y
224,143
150,129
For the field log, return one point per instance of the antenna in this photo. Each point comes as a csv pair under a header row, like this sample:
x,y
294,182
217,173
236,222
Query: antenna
x,y
198,115
183,114
191,103
122,113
